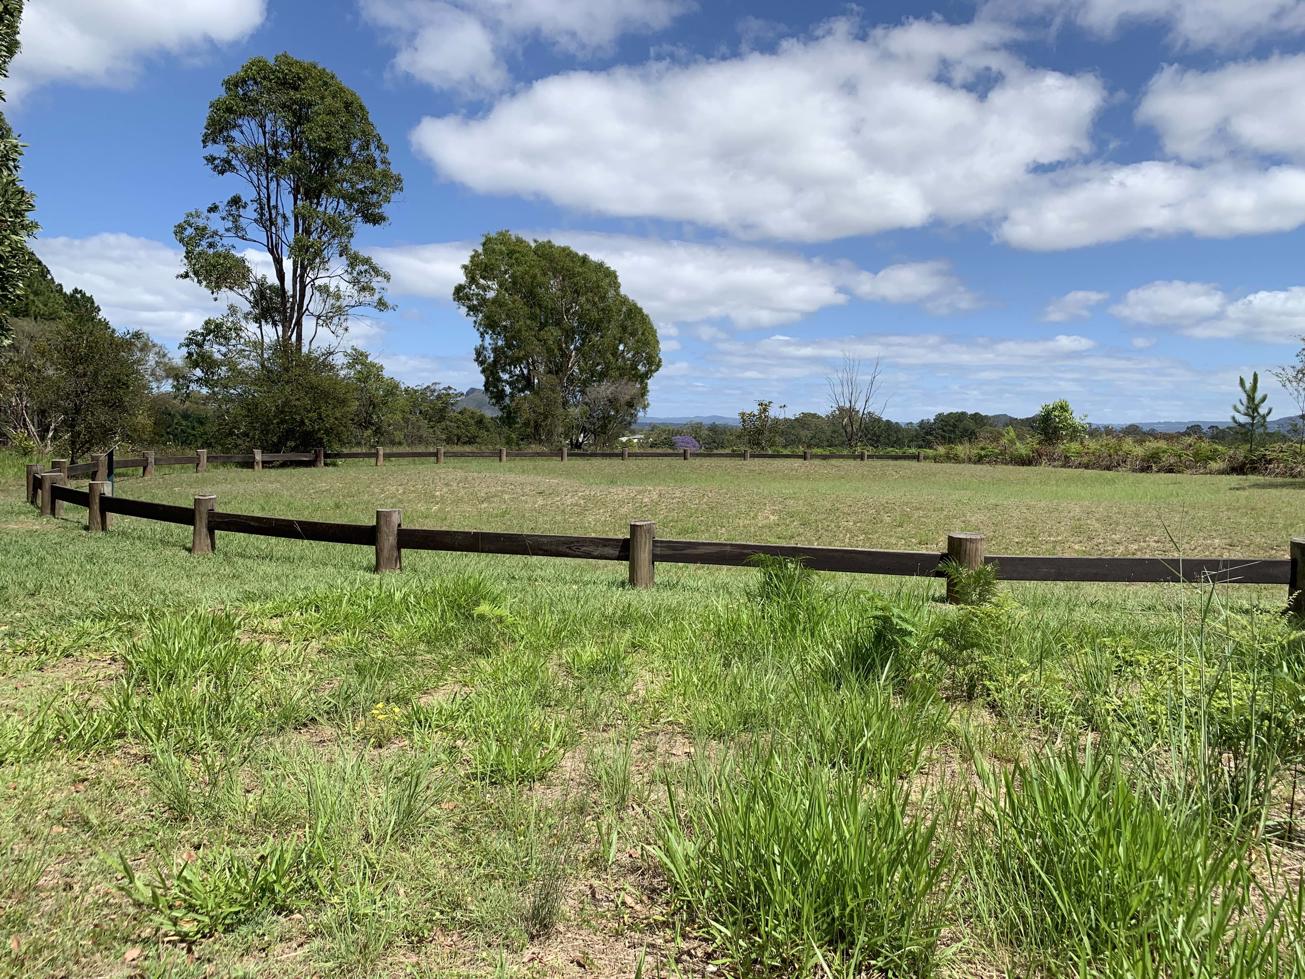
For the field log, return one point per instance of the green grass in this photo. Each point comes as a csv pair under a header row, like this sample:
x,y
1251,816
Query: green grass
x,y
270,762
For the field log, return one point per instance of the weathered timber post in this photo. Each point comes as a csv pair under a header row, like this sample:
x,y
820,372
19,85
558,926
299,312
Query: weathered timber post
x,y
806,455
747,455
861,456
148,468
101,461
380,455
439,455
388,555
919,456
684,454
642,533
502,454
97,521
1296,579
31,474
561,455
201,460
319,457
625,453
203,540
965,549
60,466
258,460
50,507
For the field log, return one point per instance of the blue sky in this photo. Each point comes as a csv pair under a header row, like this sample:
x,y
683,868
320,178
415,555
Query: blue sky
x,y
1006,201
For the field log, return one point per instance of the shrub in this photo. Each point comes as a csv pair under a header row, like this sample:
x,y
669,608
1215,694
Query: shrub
x,y
1056,424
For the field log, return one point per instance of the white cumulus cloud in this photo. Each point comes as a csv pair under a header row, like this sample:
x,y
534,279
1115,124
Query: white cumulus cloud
x,y
466,44
1075,305
697,282
1215,24
106,42
1097,203
1249,107
133,279
1202,309
842,133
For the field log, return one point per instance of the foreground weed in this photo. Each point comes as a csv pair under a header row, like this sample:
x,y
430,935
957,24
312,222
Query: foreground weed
x,y
1075,869
791,868
221,888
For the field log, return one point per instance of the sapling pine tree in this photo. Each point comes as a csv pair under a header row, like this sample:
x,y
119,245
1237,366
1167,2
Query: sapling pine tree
x,y
1249,414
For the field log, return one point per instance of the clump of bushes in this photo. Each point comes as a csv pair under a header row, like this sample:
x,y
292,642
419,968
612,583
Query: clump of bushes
x,y
1188,454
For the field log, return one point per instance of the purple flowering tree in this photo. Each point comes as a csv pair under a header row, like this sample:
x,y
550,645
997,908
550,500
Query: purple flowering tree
x,y
686,442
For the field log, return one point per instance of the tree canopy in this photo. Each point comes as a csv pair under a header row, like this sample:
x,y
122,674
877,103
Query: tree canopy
x,y
314,169
16,203
565,354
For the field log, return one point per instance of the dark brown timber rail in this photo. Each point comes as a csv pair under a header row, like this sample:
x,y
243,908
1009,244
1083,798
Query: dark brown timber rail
x,y
1156,570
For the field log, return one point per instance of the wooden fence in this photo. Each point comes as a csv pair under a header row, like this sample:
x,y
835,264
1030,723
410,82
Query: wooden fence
x,y
642,550
200,459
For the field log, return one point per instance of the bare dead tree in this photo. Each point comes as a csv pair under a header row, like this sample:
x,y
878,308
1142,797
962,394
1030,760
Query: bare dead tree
x,y
856,396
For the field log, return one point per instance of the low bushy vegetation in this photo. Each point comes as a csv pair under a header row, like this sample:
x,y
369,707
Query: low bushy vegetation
x,y
1191,454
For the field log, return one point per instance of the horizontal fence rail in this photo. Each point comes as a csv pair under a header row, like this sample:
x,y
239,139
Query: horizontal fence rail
x,y
100,468
643,550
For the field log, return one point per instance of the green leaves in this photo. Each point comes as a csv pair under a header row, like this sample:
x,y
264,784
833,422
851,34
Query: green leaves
x,y
554,326
314,169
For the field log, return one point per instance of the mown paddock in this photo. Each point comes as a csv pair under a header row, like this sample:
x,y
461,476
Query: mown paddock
x,y
642,550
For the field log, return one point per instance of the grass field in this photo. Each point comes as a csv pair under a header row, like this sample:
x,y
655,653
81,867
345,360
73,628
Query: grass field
x,y
269,762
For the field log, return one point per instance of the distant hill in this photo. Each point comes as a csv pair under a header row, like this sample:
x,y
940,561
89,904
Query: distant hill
x,y
1275,425
687,419
476,400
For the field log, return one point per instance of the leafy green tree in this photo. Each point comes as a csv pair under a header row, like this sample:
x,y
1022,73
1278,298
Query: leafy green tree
x,y
553,323
274,398
381,403
16,203
1249,415
1055,423
68,378
314,170
606,412
755,426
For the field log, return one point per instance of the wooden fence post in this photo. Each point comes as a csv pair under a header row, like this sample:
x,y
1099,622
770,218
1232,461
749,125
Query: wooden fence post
x,y
965,549
1296,578
60,466
919,456
201,460
561,455
642,533
806,455
50,507
319,457
204,538
747,455
32,474
439,455
388,555
625,453
148,468
101,461
258,460
502,454
380,455
861,456
97,521
684,454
